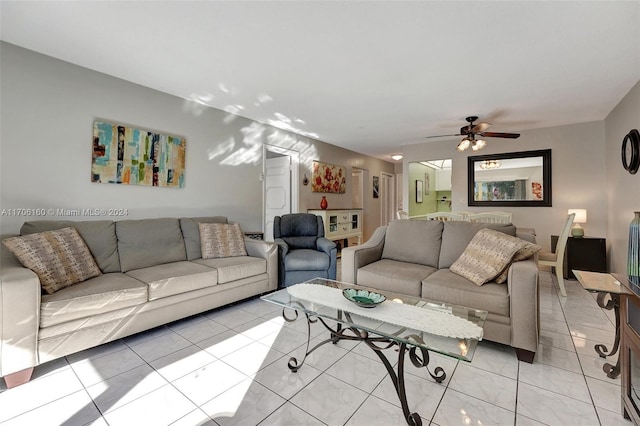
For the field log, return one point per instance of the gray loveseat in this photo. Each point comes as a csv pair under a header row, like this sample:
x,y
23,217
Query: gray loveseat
x,y
413,257
152,273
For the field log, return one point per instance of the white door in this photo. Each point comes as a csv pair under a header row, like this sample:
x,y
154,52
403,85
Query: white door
x,y
277,191
357,188
387,202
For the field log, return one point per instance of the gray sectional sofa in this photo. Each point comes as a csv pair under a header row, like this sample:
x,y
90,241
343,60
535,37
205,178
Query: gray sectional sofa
x,y
413,257
152,273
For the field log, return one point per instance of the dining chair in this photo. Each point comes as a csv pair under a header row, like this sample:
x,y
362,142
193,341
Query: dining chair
x,y
556,260
490,217
444,216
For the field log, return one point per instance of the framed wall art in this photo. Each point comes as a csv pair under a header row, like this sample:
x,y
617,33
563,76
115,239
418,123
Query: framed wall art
x,y
129,156
419,190
328,178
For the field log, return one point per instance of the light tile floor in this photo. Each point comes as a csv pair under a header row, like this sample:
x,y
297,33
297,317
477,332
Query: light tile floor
x,y
229,366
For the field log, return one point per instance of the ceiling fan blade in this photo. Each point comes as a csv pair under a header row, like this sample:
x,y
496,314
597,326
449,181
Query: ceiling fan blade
x,y
442,136
500,135
480,127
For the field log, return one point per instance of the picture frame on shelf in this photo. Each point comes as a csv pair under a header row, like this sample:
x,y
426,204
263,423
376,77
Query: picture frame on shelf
x,y
376,186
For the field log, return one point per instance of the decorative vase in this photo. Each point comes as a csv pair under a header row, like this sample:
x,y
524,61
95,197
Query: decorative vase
x,y
324,203
633,259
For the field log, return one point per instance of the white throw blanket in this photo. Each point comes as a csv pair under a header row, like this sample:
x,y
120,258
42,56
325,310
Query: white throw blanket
x,y
430,320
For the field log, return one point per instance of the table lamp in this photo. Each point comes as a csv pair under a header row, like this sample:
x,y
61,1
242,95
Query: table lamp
x,y
581,217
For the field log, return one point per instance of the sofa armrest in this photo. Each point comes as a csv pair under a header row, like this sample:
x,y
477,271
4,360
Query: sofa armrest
x,y
354,258
325,245
283,247
268,251
331,249
524,304
19,315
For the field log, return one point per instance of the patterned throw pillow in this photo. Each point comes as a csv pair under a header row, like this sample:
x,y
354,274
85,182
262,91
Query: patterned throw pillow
x,y
528,249
221,240
488,253
60,258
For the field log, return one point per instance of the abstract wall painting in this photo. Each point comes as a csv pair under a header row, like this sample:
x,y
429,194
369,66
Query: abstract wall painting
x,y
328,178
130,156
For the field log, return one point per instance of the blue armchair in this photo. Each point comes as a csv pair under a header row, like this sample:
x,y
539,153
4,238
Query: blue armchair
x,y
303,251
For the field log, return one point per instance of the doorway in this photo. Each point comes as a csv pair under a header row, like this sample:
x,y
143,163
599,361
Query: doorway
x,y
280,185
357,191
387,198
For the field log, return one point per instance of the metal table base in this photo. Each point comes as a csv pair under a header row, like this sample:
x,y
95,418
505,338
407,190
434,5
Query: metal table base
x,y
419,356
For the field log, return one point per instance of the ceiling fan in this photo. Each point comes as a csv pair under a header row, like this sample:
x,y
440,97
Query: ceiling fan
x,y
472,130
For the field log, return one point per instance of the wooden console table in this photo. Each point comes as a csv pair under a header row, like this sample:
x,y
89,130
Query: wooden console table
x,y
630,348
341,224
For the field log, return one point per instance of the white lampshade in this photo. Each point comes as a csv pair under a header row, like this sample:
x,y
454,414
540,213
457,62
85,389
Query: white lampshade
x,y
581,215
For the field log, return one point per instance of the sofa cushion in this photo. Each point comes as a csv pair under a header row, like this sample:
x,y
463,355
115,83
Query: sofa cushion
x,y
174,278
445,286
191,233
306,259
526,251
413,241
60,258
394,276
457,235
99,235
105,293
235,268
488,253
221,240
149,242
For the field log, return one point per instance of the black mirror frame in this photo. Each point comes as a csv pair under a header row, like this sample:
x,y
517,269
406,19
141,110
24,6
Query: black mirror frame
x,y
546,179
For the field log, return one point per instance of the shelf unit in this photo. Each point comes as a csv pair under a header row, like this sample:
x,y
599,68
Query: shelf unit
x,y
341,224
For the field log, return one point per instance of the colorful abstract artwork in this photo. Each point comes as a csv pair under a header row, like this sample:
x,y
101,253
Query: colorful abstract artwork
x,y
328,178
131,156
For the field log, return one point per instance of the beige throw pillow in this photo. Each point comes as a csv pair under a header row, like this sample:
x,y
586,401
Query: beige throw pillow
x,y
60,258
488,253
526,251
221,240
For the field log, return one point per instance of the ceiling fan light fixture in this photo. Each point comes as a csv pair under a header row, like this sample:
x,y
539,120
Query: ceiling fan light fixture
x,y
490,164
478,145
464,144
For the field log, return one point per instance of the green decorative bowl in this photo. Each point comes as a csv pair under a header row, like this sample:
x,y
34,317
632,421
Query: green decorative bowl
x,y
363,298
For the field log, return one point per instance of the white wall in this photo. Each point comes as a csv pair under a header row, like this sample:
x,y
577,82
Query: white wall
x,y
622,188
47,112
578,175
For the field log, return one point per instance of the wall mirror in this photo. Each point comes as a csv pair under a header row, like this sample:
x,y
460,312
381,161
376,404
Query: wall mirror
x,y
513,179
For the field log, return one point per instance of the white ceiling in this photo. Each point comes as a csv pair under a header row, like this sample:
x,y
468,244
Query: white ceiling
x,y
367,76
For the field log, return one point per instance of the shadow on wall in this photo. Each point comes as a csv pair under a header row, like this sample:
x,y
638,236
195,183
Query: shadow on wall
x,y
233,153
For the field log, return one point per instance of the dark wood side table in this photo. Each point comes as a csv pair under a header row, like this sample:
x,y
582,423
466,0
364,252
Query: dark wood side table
x,y
605,285
585,254
630,348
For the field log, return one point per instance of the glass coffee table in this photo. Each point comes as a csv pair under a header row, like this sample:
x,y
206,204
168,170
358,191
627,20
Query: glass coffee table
x,y
407,324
